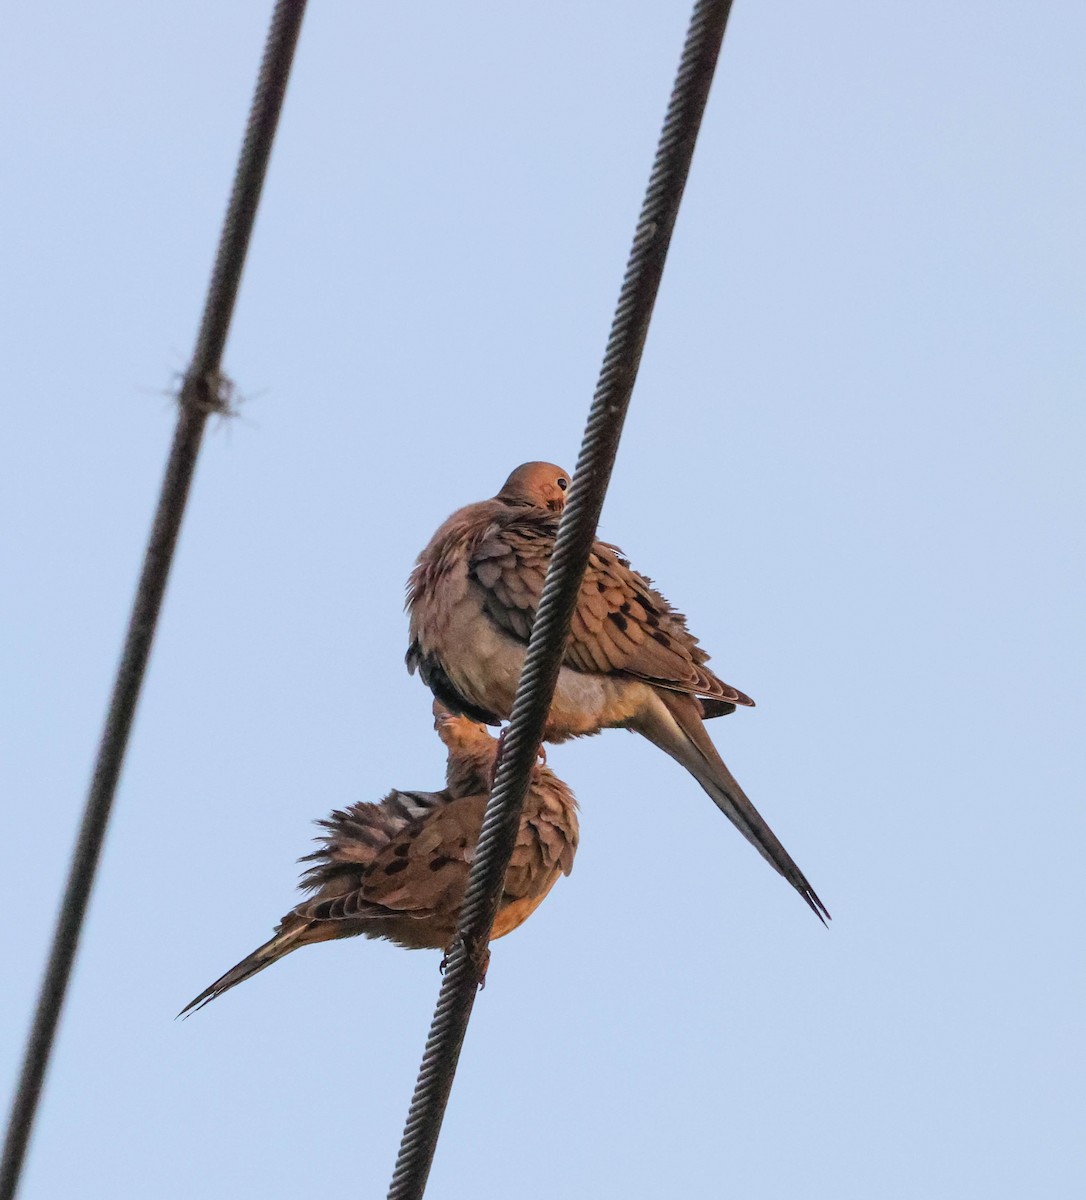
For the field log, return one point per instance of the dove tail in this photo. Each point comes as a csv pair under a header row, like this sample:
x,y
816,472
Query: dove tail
x,y
675,727
272,951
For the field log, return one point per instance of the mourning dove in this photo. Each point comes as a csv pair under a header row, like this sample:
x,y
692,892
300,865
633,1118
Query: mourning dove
x,y
630,661
399,869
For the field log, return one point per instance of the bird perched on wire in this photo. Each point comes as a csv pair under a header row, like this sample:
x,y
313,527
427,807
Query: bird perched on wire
x,y
399,869
630,661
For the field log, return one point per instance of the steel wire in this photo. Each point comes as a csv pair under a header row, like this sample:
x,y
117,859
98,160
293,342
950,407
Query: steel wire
x,y
550,630
204,390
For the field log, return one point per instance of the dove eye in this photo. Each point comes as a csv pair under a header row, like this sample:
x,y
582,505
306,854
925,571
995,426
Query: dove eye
x,y
563,484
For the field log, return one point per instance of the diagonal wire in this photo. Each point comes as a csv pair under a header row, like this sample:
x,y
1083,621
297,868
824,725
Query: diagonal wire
x,y
550,631
204,390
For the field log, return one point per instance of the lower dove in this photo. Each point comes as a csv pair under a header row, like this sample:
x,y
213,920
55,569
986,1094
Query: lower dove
x,y
630,661
399,869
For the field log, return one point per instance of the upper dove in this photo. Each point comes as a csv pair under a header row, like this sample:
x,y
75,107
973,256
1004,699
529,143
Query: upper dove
x,y
630,662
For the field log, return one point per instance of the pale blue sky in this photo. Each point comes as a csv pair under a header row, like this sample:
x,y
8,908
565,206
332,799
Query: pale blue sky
x,y
854,458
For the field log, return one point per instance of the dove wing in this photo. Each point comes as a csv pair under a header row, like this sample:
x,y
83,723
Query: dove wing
x,y
621,625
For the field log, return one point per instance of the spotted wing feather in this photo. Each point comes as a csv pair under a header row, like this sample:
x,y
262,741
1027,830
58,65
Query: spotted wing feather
x,y
621,624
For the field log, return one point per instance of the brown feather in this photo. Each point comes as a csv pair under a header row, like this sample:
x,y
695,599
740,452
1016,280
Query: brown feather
x,y
399,869
630,661
621,624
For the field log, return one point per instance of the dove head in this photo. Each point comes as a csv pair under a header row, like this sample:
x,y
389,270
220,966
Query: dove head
x,y
540,484
462,735
472,753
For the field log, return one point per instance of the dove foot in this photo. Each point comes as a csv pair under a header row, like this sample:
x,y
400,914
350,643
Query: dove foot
x,y
480,960
541,754
478,956
498,756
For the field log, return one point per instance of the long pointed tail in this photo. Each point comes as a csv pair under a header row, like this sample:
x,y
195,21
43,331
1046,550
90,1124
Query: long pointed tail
x,y
272,951
678,731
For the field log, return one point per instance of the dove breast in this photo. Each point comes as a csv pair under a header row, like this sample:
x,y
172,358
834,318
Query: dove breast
x,y
483,663
473,664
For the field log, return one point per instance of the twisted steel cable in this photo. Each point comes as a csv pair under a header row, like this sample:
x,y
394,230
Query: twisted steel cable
x,y
576,533
204,390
